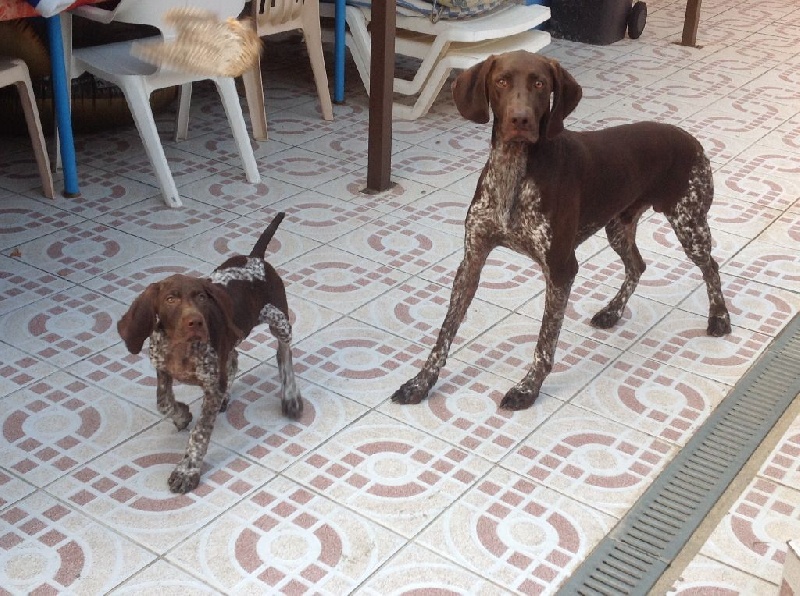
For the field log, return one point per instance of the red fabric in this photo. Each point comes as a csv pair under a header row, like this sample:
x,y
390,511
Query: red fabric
x,y
19,9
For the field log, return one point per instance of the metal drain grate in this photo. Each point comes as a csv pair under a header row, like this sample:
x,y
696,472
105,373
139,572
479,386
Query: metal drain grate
x,y
635,554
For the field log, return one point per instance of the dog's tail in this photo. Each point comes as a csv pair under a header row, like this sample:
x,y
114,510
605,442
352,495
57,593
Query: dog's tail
x,y
260,249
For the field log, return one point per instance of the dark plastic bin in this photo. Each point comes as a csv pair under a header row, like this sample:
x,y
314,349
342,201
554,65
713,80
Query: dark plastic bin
x,y
598,22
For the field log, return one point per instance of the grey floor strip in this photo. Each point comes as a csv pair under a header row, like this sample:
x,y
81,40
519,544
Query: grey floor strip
x,y
641,547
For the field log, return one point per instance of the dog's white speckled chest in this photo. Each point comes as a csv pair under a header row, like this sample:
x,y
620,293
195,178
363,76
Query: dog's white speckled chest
x,y
509,204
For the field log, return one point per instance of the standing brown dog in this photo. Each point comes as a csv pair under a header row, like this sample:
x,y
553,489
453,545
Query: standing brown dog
x,y
194,326
544,190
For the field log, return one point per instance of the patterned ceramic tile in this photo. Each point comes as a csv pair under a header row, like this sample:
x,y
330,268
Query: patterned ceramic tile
x,y
61,422
667,279
766,263
12,489
321,217
741,113
19,369
399,243
285,538
20,174
587,298
507,350
131,161
255,428
415,309
785,137
368,277
83,251
655,398
49,548
63,328
433,167
307,168
467,140
520,535
339,280
753,535
239,237
707,576
23,219
591,459
508,279
680,340
164,579
395,475
129,486
101,193
230,191
785,231
463,409
131,376
417,569
752,305
353,187
159,224
465,186
125,283
782,465
738,217
655,234
443,210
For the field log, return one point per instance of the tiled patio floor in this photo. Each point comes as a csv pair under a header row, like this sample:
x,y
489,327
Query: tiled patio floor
x,y
361,495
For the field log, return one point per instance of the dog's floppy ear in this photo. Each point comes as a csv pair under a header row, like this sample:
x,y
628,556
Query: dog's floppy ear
x,y
138,323
469,91
566,95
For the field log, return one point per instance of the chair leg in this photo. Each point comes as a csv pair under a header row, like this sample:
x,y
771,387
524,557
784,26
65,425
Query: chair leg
x,y
37,137
254,94
139,103
182,117
312,34
233,110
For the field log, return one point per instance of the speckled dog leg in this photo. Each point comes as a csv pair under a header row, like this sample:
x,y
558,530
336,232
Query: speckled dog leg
x,y
281,328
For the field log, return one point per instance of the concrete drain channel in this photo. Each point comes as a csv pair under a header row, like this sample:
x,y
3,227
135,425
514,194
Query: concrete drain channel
x,y
642,546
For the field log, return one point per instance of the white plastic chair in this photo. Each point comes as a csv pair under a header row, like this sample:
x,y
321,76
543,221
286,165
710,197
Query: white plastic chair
x,y
444,45
276,16
14,71
138,79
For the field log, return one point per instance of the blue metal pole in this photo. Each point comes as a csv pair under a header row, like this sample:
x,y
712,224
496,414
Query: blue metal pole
x,y
338,51
61,93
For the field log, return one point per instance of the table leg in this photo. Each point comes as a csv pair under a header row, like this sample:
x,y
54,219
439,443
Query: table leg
x,y
61,99
691,22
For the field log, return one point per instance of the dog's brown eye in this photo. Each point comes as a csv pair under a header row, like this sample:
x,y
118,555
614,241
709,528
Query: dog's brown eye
x,y
502,83
538,84
172,299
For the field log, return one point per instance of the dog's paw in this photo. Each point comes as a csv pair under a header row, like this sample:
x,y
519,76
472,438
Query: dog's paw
x,y
412,391
181,416
519,397
605,319
292,406
719,326
184,479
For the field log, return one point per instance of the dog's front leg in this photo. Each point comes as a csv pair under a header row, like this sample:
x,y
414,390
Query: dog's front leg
x,y
523,394
281,328
465,284
166,403
186,476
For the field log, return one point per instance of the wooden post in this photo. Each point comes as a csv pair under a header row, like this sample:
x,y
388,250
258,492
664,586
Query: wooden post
x,y
381,77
